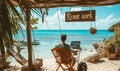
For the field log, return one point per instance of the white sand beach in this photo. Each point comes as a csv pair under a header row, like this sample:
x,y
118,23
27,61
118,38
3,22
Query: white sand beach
x,y
49,64
103,65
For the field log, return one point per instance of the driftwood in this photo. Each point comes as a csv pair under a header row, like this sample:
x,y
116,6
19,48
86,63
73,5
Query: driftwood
x,y
93,58
101,49
16,54
20,59
10,51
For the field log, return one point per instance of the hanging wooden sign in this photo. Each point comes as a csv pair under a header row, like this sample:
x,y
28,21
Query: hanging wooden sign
x,y
76,16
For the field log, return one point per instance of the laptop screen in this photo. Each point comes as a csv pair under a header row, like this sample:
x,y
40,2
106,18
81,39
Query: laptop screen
x,y
75,44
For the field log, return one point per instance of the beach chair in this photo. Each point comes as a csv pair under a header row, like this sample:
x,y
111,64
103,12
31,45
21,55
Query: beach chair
x,y
64,59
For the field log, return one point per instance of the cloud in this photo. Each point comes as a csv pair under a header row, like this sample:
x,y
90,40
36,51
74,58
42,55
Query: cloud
x,y
107,22
109,6
57,21
76,9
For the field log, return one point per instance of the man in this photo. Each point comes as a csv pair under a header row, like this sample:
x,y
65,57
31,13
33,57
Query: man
x,y
63,44
67,47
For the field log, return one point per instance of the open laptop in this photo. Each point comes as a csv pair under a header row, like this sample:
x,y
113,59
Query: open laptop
x,y
75,44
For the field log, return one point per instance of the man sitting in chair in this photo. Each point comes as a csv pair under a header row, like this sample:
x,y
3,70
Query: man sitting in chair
x,y
67,47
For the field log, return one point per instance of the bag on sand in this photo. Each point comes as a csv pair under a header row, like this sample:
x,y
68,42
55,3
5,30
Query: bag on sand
x,y
82,66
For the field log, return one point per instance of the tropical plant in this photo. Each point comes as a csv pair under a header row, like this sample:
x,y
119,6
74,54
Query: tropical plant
x,y
116,29
117,34
12,11
115,39
8,25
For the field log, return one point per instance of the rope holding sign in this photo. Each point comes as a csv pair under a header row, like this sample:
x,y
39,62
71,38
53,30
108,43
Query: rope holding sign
x,y
93,29
59,22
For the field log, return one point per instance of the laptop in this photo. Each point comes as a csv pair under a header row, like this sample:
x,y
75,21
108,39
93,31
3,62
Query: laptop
x,y
75,44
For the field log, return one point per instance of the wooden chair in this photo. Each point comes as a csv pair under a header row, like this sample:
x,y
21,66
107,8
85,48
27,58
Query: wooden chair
x,y
64,58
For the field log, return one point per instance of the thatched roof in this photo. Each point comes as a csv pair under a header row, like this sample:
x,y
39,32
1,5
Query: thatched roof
x,y
65,3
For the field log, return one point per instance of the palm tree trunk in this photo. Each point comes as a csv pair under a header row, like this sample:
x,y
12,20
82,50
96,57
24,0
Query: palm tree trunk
x,y
29,39
2,51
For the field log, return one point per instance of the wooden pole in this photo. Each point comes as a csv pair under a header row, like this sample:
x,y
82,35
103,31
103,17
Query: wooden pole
x,y
29,44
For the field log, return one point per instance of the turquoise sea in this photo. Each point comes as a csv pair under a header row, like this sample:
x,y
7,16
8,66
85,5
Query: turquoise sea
x,y
49,38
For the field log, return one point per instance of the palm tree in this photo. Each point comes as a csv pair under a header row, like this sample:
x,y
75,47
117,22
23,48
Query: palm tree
x,y
9,26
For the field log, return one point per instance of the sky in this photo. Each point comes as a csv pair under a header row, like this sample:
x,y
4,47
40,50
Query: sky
x,y
106,16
